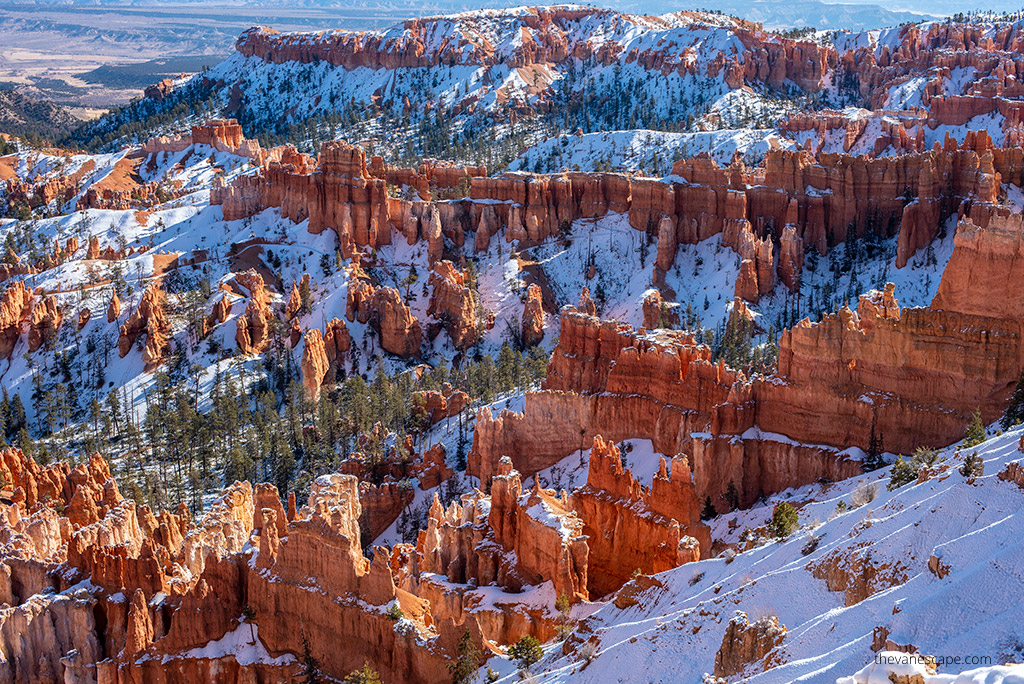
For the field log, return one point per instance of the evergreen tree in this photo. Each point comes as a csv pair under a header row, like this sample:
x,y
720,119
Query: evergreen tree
x,y
901,473
708,512
526,652
1014,413
364,675
973,467
732,497
784,520
873,458
467,661
975,434
310,665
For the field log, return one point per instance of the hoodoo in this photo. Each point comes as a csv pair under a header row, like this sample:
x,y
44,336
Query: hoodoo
x,y
697,357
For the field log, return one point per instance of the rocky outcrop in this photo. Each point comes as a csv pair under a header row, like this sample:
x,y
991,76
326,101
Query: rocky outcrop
x,y
630,527
381,505
15,309
44,322
653,310
314,363
323,354
605,378
188,585
252,328
746,643
324,542
384,309
533,536
399,330
1013,472
114,308
586,304
440,404
148,318
223,135
533,317
218,314
453,303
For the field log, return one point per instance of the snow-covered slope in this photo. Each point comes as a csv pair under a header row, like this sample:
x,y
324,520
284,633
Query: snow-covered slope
x,y
938,565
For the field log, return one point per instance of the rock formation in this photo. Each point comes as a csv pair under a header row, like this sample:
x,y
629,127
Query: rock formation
x,y
441,404
314,363
400,332
252,328
533,317
746,643
454,304
114,308
630,527
15,308
45,320
543,537
148,318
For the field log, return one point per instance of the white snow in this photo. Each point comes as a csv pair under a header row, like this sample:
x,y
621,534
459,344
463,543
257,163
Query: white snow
x,y
244,644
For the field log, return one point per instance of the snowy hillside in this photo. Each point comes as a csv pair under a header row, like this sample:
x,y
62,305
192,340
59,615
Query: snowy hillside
x,y
936,564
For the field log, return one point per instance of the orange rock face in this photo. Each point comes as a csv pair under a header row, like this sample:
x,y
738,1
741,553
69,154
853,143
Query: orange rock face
x,y
381,505
746,643
15,308
45,320
453,303
114,308
150,319
533,317
604,378
441,404
400,332
314,362
630,527
543,534
252,331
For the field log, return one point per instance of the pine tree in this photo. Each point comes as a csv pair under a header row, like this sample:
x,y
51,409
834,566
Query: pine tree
x,y
310,665
708,512
732,497
873,458
364,675
1014,413
467,661
526,652
901,473
784,520
975,434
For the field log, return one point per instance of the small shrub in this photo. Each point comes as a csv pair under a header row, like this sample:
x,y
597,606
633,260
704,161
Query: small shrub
x,y
696,578
730,556
863,494
841,507
1011,650
972,467
526,652
784,520
810,545
901,473
394,612
587,652
924,456
492,676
